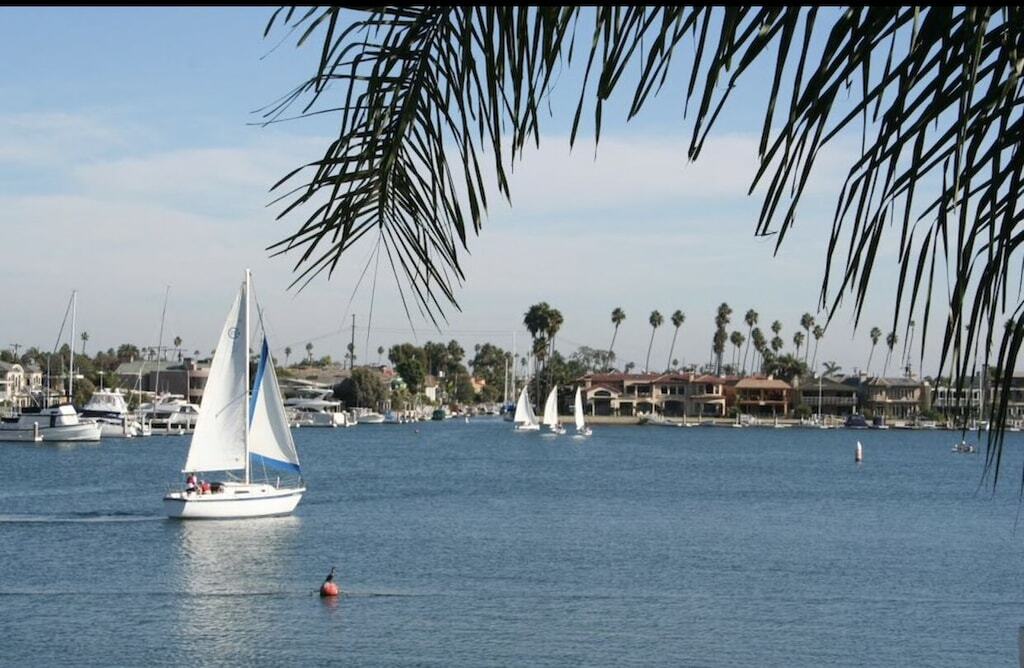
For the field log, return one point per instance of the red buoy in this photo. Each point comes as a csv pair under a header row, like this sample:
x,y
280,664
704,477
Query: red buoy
x,y
328,589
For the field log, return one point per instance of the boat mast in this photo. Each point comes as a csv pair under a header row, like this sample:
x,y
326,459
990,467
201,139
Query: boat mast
x,y
247,389
71,365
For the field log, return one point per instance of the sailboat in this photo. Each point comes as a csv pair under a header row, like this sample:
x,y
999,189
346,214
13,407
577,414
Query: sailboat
x,y
524,419
238,429
551,412
577,410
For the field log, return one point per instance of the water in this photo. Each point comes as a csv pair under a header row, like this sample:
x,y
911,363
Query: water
x,y
467,544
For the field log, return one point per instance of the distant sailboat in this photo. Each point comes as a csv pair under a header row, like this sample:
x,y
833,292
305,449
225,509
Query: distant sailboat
x,y
237,429
524,419
577,410
551,412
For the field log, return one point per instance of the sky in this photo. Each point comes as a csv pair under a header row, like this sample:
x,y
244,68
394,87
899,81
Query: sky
x,y
131,160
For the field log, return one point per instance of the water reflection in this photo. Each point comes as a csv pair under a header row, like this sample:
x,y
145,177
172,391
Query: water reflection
x,y
232,576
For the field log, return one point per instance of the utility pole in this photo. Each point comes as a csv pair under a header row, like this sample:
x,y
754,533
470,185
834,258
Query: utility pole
x,y
352,346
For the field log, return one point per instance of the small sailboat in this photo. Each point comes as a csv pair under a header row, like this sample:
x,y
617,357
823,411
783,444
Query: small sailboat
x,y
577,412
524,419
238,429
551,412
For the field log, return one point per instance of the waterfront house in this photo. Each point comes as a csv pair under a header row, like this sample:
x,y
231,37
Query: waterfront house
x,y
18,383
892,398
763,397
825,396
669,394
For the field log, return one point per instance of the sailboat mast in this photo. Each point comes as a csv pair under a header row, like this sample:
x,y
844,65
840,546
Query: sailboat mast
x,y
71,365
247,388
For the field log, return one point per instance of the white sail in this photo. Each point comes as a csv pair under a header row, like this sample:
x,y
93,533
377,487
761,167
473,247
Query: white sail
x,y
270,439
578,410
218,443
524,412
551,408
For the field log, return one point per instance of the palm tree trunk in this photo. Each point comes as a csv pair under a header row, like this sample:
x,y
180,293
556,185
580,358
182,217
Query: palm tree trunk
x,y
814,360
647,364
885,367
672,349
872,354
612,346
750,331
807,348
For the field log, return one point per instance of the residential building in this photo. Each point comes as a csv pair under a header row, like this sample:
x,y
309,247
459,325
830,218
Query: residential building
x,y
669,394
826,396
892,398
763,397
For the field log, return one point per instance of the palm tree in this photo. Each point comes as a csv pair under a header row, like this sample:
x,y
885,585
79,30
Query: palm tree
x,y
656,321
876,335
776,327
719,339
678,318
890,341
555,321
287,354
751,319
537,322
759,345
736,339
85,339
373,70
177,346
380,353
817,332
777,344
309,352
807,321
831,368
618,315
798,340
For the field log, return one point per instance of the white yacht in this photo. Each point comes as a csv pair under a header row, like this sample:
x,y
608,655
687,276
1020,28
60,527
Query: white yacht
x,y
316,410
53,423
370,417
171,415
110,410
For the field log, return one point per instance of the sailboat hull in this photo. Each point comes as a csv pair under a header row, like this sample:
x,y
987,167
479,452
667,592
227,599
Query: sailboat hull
x,y
234,502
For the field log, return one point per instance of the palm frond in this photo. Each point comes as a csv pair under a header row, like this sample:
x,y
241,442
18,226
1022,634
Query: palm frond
x,y
426,97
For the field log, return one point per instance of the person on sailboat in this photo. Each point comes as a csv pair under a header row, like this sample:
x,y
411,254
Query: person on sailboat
x,y
191,483
328,588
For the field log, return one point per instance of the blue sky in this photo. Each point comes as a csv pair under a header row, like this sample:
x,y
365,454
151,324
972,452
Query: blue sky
x,y
128,162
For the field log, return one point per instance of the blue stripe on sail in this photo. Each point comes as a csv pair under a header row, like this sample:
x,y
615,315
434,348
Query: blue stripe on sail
x,y
276,463
260,370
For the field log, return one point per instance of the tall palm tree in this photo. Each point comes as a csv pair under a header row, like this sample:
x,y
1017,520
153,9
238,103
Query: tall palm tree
x,y
736,339
777,344
890,342
85,339
656,321
537,321
678,318
831,368
373,72
555,321
177,346
798,340
618,316
380,353
807,321
309,352
776,327
817,332
759,345
721,337
751,319
876,335
287,354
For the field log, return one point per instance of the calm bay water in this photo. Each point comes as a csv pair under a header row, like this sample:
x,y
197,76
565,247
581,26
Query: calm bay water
x,y
467,544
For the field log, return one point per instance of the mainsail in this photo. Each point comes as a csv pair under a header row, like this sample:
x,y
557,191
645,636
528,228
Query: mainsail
x,y
218,443
524,412
270,439
578,410
551,409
